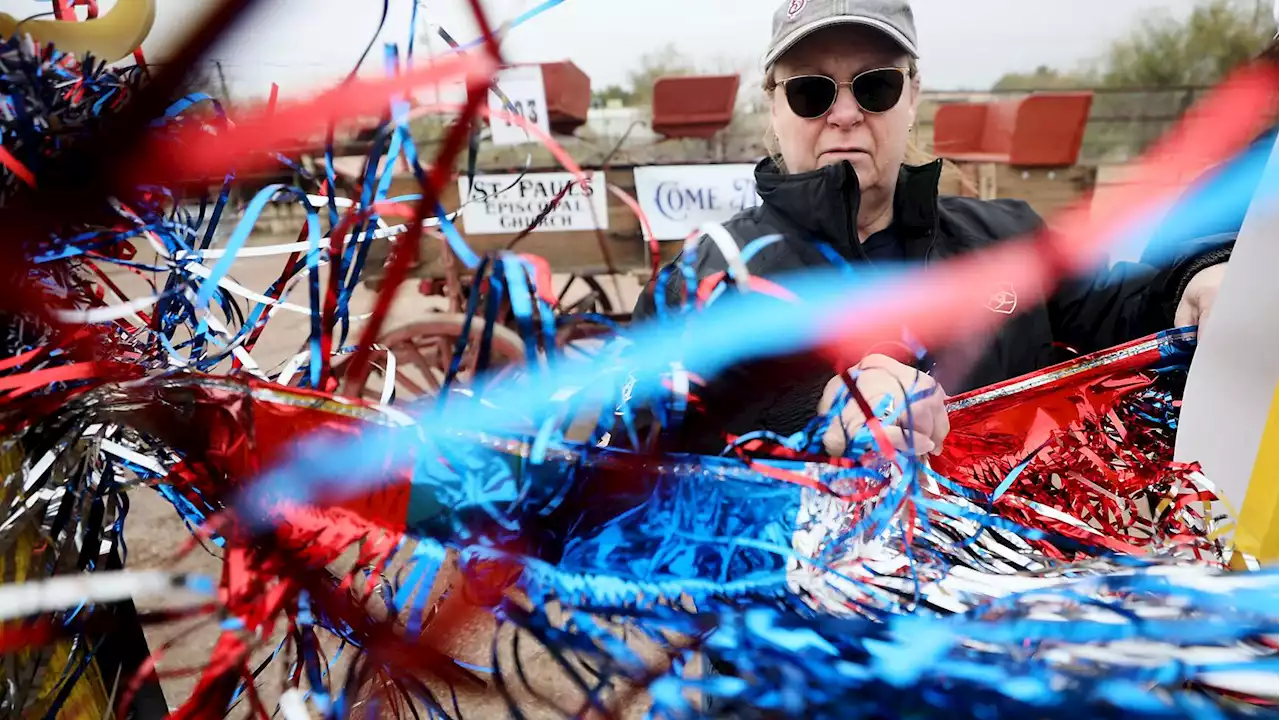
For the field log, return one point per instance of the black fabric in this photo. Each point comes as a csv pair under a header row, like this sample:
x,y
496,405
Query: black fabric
x,y
1103,308
884,246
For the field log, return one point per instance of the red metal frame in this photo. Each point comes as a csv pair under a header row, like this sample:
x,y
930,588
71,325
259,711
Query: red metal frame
x,y
1042,130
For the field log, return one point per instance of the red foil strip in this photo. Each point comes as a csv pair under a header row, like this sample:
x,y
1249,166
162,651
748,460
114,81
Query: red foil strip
x,y
230,430
1097,437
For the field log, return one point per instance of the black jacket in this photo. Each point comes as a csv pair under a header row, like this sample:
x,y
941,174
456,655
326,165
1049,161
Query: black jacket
x,y
1113,305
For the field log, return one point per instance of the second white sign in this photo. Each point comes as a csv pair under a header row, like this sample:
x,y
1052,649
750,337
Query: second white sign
x,y
676,199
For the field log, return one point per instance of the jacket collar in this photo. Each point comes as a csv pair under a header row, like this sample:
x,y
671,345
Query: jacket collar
x,y
822,202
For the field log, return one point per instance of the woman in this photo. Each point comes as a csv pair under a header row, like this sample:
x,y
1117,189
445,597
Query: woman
x,y
842,79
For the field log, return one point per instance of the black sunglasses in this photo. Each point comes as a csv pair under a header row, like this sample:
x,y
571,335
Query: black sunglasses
x,y
876,91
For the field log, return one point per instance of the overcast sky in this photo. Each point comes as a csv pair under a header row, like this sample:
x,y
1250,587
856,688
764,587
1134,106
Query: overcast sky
x,y
305,44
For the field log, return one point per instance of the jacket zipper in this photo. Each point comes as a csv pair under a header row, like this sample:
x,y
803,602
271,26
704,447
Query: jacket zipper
x,y
933,237
850,212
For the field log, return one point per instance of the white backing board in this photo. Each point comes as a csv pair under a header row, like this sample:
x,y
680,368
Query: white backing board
x,y
1237,361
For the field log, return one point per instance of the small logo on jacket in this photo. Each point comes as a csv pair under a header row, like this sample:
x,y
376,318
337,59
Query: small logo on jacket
x,y
1004,300
794,9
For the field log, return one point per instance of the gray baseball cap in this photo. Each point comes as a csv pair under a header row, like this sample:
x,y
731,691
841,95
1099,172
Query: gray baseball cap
x,y
797,19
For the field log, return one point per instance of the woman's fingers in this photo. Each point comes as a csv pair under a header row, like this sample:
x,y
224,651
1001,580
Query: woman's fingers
x,y
943,426
906,441
829,394
927,415
836,439
886,385
843,427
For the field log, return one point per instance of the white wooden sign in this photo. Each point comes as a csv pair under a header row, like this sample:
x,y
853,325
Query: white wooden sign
x,y
523,86
677,199
509,203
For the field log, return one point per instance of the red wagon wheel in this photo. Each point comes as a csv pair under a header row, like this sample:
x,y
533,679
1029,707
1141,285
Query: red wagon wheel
x,y
423,351
577,335
583,294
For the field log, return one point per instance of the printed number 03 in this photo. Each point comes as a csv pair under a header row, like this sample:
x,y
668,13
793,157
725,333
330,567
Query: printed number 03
x,y
527,109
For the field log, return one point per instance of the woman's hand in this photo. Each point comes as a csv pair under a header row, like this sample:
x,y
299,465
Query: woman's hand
x,y
878,376
1197,298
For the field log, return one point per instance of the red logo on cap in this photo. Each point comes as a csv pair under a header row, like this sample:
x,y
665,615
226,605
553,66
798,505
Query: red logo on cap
x,y
794,8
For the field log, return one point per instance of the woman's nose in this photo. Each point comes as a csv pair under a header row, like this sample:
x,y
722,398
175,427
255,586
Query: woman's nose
x,y
845,111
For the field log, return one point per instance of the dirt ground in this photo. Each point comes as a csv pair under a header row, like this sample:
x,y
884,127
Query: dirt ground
x,y
155,531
